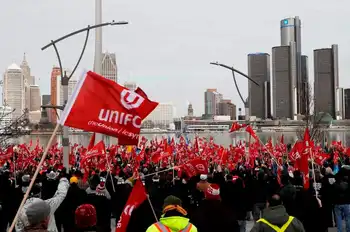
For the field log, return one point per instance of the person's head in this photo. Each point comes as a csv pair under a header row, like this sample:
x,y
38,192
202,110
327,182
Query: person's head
x,y
85,216
212,192
173,205
274,200
36,214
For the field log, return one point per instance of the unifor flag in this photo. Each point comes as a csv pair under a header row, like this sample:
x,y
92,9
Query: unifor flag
x,y
136,198
102,106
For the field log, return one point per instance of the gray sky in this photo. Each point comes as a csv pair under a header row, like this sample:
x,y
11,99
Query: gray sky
x,y
168,45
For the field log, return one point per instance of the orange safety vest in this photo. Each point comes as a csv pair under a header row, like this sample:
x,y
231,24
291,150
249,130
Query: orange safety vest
x,y
163,228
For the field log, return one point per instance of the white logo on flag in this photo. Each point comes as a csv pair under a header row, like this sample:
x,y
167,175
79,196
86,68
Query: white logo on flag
x,y
128,209
200,167
130,99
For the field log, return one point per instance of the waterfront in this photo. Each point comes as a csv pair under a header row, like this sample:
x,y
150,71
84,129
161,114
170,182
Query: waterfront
x,y
223,138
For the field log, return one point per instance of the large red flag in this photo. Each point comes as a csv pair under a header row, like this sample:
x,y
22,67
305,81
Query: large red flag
x,y
102,106
137,196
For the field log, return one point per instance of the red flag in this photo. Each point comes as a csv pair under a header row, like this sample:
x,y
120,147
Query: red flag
x,y
250,130
92,141
102,106
97,150
195,167
235,127
320,158
137,196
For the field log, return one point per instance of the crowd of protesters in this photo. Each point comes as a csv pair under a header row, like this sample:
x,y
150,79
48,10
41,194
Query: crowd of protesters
x,y
219,201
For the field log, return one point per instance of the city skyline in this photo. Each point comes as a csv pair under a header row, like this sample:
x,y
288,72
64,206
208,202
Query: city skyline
x,y
177,52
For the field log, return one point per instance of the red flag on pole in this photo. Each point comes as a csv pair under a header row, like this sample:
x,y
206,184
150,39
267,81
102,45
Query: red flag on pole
x,y
137,196
102,106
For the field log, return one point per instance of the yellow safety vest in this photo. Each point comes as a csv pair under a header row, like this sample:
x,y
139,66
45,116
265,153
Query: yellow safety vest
x,y
276,228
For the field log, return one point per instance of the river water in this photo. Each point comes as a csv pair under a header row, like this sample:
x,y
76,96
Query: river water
x,y
223,138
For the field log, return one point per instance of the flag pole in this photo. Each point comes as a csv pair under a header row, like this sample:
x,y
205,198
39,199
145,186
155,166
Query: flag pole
x,y
34,177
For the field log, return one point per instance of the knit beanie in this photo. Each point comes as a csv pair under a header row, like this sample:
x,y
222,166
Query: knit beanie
x,y
85,216
74,180
172,200
37,211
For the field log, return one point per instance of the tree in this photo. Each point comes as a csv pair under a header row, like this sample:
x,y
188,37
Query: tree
x,y
11,128
315,121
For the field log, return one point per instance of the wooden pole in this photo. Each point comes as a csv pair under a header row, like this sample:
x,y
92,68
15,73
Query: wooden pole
x,y
34,177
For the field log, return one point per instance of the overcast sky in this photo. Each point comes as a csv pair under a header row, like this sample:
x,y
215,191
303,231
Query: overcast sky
x,y
167,47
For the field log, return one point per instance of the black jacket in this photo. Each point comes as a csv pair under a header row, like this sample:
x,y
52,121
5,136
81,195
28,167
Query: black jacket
x,y
277,216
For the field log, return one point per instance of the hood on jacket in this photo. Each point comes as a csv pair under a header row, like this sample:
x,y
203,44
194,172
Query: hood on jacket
x,y
276,215
175,223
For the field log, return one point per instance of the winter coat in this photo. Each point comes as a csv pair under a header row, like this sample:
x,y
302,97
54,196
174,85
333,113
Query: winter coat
x,y
277,216
53,202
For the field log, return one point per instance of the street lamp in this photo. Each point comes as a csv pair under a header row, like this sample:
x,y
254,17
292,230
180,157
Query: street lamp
x,y
234,77
65,79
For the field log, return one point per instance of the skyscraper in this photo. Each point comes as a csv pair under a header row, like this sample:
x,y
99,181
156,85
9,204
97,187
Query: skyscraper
x,y
326,82
283,87
211,102
109,66
54,74
259,96
305,95
291,36
28,81
347,103
35,98
162,115
13,90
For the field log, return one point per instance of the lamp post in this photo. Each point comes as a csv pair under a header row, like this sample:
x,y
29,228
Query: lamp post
x,y
65,79
234,78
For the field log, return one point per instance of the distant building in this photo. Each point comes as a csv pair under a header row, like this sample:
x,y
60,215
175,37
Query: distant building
x,y
259,96
109,66
28,81
60,97
211,101
347,103
190,110
305,94
226,107
54,83
13,90
326,81
35,98
130,85
35,116
162,116
46,99
291,36
283,83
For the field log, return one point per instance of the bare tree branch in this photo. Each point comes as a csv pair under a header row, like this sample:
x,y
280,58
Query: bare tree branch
x,y
12,128
314,121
